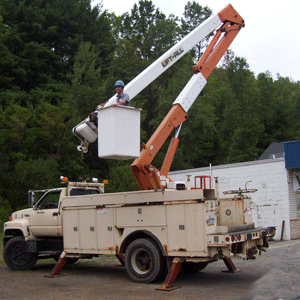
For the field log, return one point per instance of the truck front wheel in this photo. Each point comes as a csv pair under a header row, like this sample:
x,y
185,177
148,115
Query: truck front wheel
x,y
16,256
144,262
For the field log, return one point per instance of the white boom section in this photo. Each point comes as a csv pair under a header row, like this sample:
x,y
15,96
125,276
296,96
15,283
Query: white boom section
x,y
191,91
169,58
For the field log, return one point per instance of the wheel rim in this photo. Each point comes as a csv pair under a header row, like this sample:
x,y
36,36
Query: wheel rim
x,y
141,261
19,255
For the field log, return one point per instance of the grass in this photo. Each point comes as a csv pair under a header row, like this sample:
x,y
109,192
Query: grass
x,y
106,259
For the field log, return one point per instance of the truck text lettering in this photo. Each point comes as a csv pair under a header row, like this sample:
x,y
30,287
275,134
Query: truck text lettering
x,y
173,56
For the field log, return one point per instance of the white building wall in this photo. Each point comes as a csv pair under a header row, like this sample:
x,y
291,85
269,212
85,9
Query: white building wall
x,y
293,186
269,177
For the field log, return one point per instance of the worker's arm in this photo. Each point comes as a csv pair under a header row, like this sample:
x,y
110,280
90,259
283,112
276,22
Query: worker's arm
x,y
123,102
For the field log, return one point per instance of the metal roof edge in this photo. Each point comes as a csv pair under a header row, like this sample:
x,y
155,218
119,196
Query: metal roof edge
x,y
235,165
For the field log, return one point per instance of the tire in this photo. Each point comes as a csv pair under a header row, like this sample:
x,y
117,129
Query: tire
x,y
144,262
16,256
192,267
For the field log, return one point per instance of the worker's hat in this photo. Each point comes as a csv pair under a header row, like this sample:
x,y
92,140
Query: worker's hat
x,y
119,83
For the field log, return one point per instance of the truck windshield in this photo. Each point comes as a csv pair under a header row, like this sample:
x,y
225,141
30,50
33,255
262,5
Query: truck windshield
x,y
50,200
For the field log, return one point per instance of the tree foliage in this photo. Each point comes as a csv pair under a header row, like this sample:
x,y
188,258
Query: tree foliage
x,y
194,15
59,59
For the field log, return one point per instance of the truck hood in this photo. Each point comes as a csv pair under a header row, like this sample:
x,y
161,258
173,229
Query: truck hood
x,y
24,213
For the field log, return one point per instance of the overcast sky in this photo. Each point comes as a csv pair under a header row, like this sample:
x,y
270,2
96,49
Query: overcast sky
x,y
270,40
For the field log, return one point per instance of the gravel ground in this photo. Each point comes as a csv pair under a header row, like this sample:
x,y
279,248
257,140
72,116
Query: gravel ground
x,y
273,275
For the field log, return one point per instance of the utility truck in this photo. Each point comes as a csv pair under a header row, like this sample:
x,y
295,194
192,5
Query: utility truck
x,y
37,232
164,227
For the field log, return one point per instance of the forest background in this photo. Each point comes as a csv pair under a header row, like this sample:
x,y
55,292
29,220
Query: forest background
x,y
60,58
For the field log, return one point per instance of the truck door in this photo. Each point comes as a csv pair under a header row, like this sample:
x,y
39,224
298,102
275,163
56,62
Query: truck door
x,y
45,219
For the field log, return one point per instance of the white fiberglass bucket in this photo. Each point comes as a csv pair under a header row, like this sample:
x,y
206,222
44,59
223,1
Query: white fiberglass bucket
x,y
119,132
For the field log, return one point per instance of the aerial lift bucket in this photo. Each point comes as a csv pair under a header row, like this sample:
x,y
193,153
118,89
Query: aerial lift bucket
x,y
119,132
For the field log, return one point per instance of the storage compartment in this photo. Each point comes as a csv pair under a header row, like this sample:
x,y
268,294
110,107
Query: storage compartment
x,y
119,132
231,212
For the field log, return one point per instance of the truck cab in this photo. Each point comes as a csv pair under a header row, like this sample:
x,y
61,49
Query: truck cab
x,y
45,217
38,229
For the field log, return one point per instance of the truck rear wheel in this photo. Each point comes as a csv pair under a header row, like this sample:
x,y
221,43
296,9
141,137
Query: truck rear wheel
x,y
144,262
16,256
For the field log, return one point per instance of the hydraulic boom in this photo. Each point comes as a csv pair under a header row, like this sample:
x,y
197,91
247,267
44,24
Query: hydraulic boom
x,y
228,24
86,131
147,175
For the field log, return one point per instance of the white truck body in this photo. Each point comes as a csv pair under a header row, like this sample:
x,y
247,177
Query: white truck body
x,y
183,223
146,230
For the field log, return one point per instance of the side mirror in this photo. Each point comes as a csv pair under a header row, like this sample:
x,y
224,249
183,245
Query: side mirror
x,y
30,198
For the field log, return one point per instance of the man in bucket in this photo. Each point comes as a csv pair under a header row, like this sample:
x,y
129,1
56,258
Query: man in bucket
x,y
122,99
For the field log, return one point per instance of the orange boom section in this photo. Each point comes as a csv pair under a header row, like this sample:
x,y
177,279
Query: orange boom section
x,y
232,24
146,175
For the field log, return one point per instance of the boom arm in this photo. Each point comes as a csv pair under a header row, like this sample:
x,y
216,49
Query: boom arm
x,y
148,176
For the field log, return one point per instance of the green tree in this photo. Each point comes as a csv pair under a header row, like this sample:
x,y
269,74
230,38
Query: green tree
x,y
285,124
242,127
88,88
43,38
5,211
194,15
278,109
59,59
120,179
39,43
